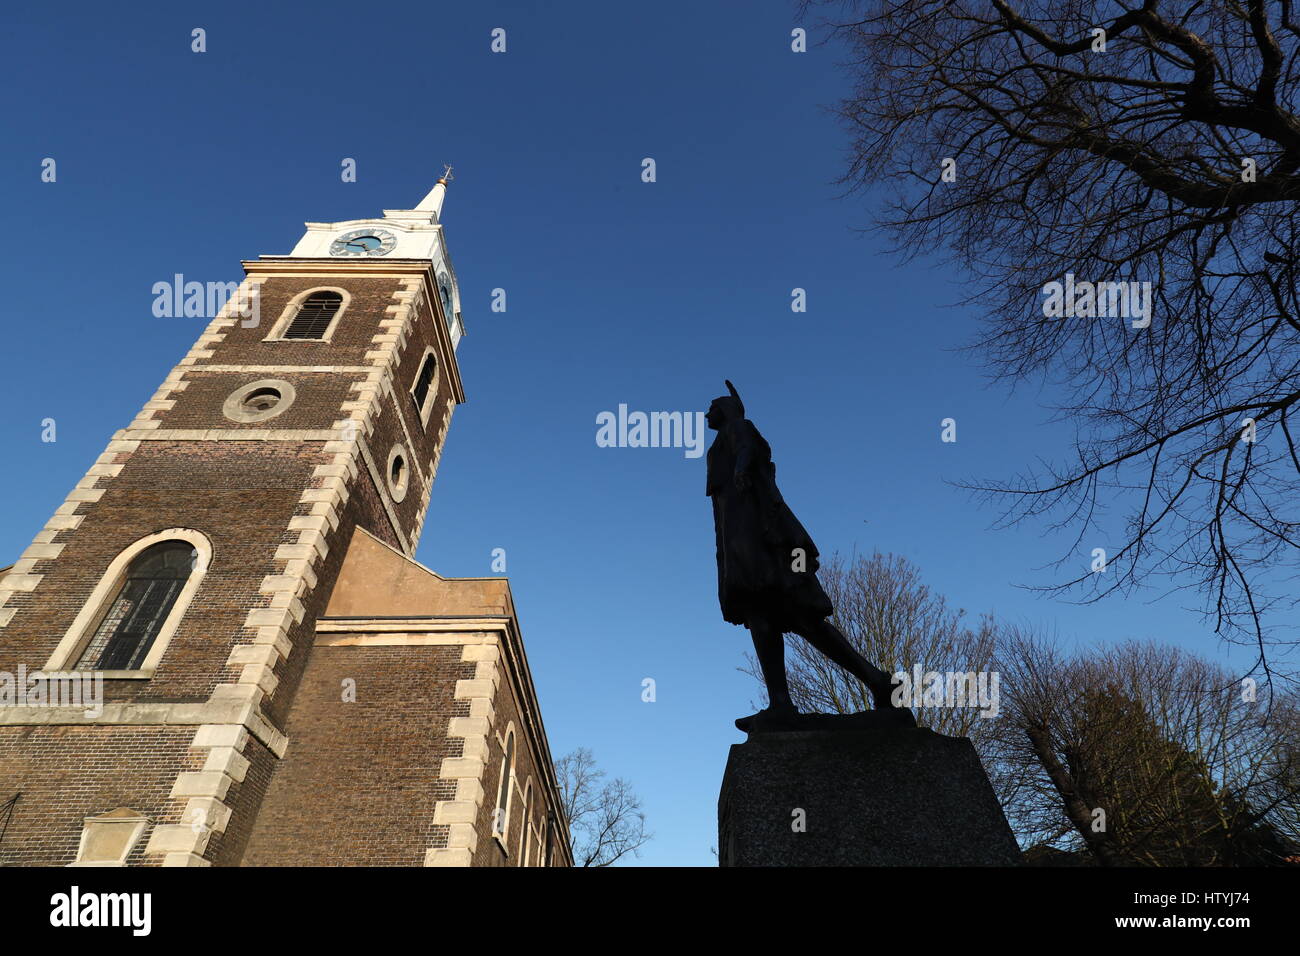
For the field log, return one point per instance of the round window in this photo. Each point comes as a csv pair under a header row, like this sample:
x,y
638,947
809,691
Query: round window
x,y
258,401
398,473
261,400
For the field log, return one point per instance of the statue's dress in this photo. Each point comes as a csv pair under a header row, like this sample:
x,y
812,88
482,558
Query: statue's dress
x,y
758,537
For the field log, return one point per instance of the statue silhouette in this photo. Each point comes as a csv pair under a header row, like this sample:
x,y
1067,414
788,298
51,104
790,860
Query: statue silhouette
x,y
767,569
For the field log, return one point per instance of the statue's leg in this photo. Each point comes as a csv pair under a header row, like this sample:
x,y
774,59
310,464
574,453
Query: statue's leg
x,y
769,646
828,639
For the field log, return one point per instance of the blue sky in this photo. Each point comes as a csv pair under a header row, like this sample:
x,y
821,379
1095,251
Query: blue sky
x,y
618,291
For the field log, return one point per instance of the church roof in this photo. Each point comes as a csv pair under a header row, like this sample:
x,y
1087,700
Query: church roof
x,y
377,580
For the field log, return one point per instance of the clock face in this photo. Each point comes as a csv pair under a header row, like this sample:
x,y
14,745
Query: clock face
x,y
364,242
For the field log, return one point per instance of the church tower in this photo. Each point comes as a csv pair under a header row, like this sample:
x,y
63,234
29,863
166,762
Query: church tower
x,y
237,569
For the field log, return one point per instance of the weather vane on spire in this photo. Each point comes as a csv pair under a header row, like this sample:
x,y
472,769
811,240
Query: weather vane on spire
x,y
446,174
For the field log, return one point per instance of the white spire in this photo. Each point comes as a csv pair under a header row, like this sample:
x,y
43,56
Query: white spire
x,y
432,203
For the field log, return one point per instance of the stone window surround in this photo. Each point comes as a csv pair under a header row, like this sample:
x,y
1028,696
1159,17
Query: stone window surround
x,y
398,491
291,310
83,626
526,840
234,409
431,399
503,835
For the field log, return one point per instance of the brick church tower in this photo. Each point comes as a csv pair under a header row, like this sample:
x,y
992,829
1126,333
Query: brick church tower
x,y
282,684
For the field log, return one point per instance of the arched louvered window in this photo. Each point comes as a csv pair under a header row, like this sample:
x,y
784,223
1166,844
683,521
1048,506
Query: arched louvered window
x,y
314,316
137,613
423,383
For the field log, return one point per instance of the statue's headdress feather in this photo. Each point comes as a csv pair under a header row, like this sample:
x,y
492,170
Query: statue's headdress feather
x,y
736,395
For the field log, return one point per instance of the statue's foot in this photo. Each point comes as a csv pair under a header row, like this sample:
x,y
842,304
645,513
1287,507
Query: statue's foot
x,y
883,701
896,716
891,712
770,720
766,715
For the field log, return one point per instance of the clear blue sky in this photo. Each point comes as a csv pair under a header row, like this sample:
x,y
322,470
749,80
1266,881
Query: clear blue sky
x,y
618,292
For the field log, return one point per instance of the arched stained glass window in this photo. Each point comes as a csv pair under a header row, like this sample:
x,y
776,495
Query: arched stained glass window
x,y
137,613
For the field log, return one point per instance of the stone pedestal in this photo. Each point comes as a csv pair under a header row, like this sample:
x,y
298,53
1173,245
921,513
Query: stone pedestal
x,y
887,797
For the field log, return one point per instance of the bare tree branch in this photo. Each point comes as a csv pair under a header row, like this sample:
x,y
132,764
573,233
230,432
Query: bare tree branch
x,y
606,821
1171,157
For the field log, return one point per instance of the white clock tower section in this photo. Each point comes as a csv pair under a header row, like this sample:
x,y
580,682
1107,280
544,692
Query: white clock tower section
x,y
400,234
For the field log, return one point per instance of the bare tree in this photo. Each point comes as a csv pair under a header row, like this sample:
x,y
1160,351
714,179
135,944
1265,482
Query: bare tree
x,y
892,617
1143,755
1132,141
606,821
1163,749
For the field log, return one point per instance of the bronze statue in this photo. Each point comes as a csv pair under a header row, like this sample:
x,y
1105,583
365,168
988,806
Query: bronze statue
x,y
767,570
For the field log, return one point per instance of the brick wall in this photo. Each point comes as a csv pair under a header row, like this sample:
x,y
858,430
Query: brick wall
x,y
68,773
491,850
360,780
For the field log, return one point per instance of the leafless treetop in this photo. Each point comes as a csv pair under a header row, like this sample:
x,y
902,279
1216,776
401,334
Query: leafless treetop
x,y
1170,157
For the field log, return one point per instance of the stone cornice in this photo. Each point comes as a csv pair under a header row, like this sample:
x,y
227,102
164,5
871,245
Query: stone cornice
x,y
144,714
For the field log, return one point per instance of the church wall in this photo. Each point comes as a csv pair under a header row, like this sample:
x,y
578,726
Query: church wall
x,y
245,798
240,495
66,774
360,780
491,851
398,421
318,397
349,343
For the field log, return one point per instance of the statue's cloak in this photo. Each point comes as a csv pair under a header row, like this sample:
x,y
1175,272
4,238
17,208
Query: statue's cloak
x,y
767,563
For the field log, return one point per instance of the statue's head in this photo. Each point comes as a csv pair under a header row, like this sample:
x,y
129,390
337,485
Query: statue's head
x,y
725,408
